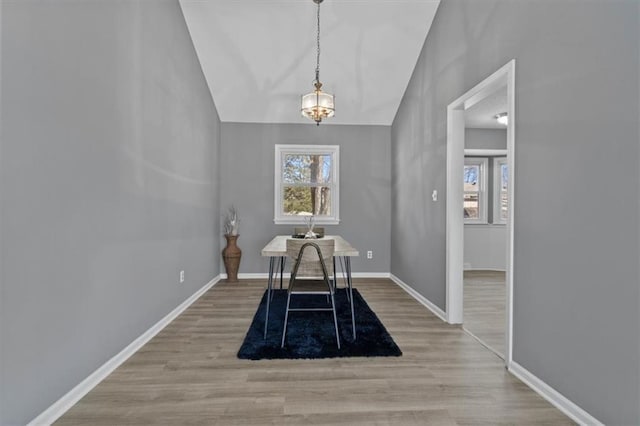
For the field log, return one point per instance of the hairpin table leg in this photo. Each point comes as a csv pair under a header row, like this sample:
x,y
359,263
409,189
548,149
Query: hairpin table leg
x,y
347,262
269,291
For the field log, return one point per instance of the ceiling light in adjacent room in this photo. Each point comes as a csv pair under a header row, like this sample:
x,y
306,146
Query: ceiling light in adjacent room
x,y
502,118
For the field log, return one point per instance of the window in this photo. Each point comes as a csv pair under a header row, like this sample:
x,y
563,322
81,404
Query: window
x,y
306,183
500,197
475,190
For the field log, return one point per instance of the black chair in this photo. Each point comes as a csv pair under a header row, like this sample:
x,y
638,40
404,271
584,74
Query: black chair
x,y
312,267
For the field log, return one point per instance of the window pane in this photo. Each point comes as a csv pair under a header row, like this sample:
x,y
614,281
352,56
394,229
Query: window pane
x,y
504,177
302,168
471,206
503,206
305,200
471,177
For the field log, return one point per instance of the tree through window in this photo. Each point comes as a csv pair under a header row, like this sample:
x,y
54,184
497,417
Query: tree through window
x,y
475,190
306,183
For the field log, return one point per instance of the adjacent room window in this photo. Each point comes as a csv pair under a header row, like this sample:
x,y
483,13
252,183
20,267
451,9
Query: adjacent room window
x,y
500,197
475,190
307,183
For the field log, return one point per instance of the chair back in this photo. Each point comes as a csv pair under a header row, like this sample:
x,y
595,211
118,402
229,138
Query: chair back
x,y
307,261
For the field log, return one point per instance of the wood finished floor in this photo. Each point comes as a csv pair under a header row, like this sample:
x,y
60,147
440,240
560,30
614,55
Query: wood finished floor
x,y
189,374
484,307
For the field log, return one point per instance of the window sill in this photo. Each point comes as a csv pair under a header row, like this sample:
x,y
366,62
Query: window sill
x,y
487,225
301,221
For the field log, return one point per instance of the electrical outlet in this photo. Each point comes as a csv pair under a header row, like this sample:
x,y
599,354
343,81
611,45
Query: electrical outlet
x,y
370,254
181,277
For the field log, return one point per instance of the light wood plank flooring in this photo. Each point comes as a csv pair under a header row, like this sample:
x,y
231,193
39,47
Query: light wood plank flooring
x,y
189,374
484,307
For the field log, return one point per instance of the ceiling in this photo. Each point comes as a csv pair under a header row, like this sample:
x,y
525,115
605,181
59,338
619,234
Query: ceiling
x,y
482,115
258,56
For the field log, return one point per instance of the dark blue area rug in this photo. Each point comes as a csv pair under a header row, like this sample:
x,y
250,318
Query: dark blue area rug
x,y
312,334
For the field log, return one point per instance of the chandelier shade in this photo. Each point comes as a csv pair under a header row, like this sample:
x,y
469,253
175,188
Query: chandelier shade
x,y
318,105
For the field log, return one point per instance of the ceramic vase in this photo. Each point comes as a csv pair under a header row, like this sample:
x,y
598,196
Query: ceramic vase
x,y
231,255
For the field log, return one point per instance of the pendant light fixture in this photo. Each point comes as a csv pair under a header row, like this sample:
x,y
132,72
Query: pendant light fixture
x,y
317,104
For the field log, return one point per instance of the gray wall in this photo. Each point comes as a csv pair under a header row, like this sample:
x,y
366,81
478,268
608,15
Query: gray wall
x,y
108,184
576,295
247,180
485,138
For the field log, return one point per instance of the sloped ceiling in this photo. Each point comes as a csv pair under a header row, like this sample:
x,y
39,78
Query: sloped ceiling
x,y
258,56
482,115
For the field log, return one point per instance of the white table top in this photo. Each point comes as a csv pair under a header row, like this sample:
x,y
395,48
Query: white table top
x,y
278,246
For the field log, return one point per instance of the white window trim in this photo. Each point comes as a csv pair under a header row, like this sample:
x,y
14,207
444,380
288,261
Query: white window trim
x,y
497,179
471,152
482,193
281,150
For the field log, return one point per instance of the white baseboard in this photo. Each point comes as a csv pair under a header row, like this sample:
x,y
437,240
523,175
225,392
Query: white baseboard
x,y
420,298
563,404
569,408
262,275
250,276
471,268
58,408
370,275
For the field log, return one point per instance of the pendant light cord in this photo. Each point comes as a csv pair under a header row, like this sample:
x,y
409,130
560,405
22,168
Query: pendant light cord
x,y
318,48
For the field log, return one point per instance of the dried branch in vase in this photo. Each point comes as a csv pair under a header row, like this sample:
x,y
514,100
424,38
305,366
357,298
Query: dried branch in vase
x,y
231,222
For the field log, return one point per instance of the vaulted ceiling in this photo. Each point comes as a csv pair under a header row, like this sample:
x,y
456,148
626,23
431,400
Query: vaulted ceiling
x,y
482,115
258,56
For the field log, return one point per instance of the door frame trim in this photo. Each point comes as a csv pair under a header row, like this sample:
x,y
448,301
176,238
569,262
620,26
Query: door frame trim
x,y
455,222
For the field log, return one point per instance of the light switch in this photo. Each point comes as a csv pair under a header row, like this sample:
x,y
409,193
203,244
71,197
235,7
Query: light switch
x,y
434,195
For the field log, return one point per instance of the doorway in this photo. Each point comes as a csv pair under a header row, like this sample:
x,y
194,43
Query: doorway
x,y
502,79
